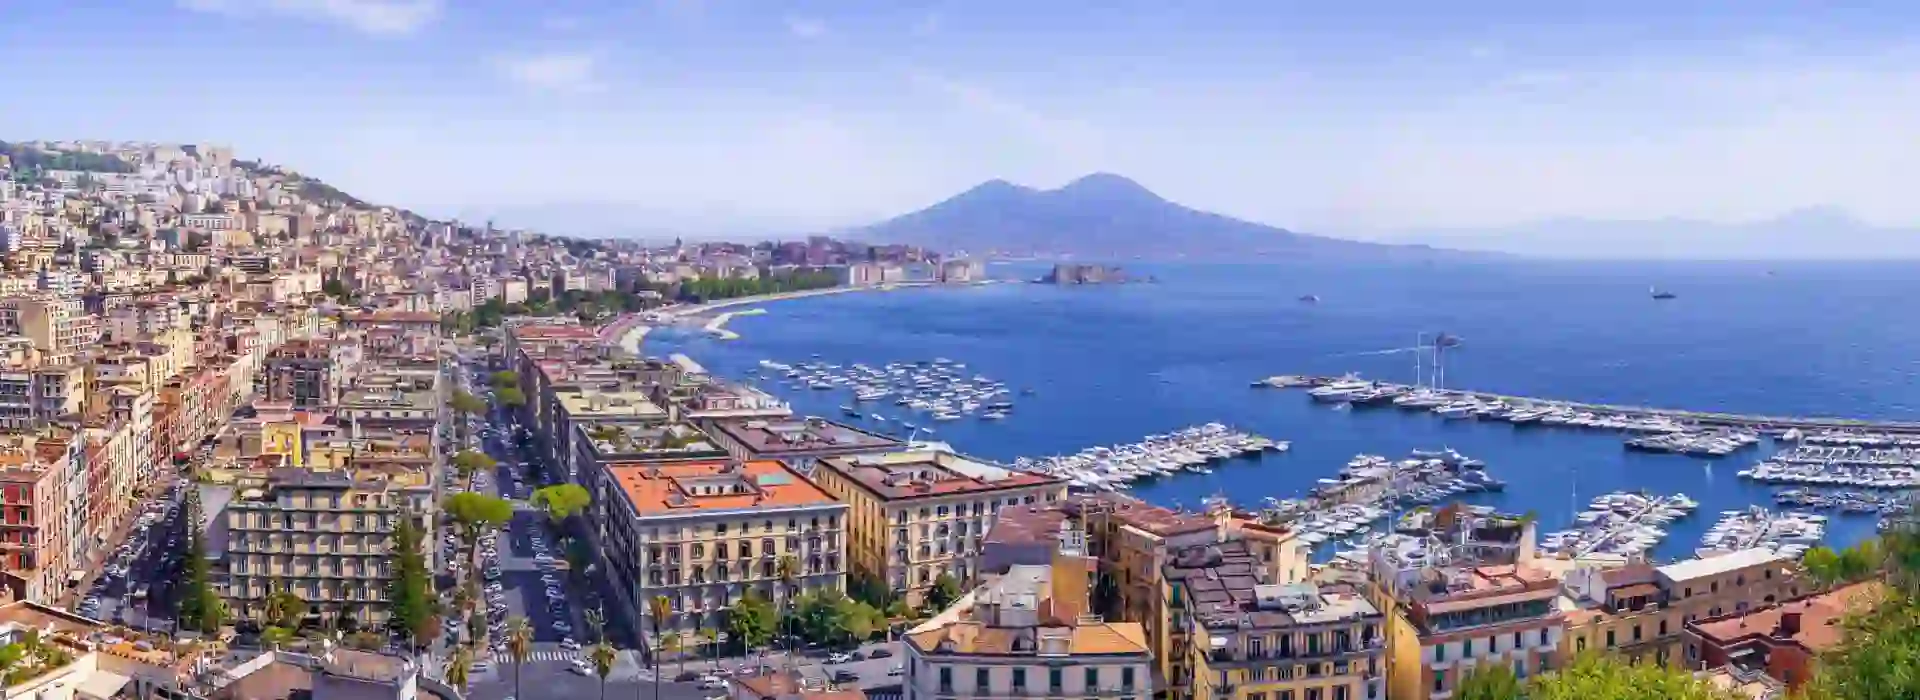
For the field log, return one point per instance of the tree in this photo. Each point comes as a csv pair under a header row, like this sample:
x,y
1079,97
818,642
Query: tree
x,y
519,645
1494,682
562,501
200,607
1822,565
658,609
334,287
476,626
414,609
506,379
285,609
469,461
1593,676
275,636
788,569
945,590
510,397
603,657
750,621
459,666
476,513
466,406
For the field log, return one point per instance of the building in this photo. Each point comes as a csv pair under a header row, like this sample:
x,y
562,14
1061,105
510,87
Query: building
x,y
1782,641
1449,620
1238,635
339,674
918,515
326,536
41,530
796,442
1639,611
786,686
82,658
706,533
300,372
1030,632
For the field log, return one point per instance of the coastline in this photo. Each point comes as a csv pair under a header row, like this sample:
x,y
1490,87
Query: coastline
x,y
718,326
698,309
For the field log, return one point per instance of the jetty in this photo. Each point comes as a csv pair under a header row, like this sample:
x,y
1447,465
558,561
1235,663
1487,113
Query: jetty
x,y
1878,429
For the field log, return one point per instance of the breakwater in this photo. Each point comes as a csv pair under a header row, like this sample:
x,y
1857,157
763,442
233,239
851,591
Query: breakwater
x,y
1700,419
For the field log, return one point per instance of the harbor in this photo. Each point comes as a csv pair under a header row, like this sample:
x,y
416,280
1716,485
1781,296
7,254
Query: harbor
x,y
1620,524
1524,410
1112,468
940,389
1790,533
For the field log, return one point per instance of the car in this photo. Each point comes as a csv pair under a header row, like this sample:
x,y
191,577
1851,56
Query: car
x,y
493,573
568,644
839,658
857,656
686,677
845,676
879,654
562,627
713,684
581,667
897,670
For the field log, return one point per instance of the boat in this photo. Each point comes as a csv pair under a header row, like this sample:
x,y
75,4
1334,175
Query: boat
x,y
850,412
1310,298
1659,293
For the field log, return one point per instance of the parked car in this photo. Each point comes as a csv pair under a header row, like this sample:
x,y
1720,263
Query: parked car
x,y
845,676
686,677
839,658
880,654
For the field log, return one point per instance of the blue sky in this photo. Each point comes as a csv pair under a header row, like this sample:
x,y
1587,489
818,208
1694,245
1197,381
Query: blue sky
x,y
734,115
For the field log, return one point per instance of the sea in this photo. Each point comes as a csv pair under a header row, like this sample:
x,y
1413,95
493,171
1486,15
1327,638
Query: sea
x,y
1111,364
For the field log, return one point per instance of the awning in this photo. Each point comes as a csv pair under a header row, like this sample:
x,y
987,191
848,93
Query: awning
x,y
102,685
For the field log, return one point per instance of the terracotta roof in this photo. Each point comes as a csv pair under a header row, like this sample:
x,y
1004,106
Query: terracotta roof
x,y
1151,518
715,485
970,637
1819,618
927,474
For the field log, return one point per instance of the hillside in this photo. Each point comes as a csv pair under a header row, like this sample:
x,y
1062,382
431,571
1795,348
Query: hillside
x,y
1097,216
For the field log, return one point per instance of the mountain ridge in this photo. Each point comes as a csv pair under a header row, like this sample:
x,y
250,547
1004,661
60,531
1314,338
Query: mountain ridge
x,y
1100,214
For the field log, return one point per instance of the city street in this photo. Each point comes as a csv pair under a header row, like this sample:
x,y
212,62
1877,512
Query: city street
x,y
149,558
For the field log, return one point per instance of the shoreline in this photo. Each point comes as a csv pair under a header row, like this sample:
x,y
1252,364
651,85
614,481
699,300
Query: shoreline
x,y
718,326
698,309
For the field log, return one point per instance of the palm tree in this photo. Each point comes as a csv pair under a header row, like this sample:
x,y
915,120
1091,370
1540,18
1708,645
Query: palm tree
x,y
458,667
603,657
519,645
789,571
596,623
659,607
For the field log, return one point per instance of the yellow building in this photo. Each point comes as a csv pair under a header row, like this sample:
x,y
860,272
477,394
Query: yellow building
x,y
1240,636
703,534
917,515
1640,611
325,536
282,437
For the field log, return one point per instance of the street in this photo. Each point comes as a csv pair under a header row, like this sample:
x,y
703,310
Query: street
x,y
135,586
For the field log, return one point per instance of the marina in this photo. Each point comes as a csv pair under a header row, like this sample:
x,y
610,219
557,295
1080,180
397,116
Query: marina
x,y
1524,410
1112,468
1790,533
940,389
1627,525
1863,477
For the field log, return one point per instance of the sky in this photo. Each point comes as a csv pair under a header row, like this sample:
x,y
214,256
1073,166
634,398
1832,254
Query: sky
x,y
713,116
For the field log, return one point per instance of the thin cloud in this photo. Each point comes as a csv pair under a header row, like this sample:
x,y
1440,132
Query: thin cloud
x,y
377,17
553,72
1064,136
561,23
928,25
806,27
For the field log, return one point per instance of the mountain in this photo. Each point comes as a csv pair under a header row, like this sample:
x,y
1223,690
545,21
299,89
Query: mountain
x,y
1100,215
1813,233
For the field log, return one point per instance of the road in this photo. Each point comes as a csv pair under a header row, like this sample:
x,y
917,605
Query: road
x,y
150,556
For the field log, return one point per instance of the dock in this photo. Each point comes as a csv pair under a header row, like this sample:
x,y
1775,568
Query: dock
x,y
1703,419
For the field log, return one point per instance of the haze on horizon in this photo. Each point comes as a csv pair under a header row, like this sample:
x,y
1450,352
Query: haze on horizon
x,y
704,117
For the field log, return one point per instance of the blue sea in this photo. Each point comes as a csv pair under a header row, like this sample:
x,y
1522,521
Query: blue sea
x,y
1110,364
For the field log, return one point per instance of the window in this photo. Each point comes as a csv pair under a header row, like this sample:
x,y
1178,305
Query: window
x,y
1663,628
1579,644
1610,643
1517,641
1056,680
1126,679
980,679
1439,681
1092,681
1439,653
1466,648
946,679
1019,679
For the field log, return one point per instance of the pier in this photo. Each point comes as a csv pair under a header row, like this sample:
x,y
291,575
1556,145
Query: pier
x,y
1704,419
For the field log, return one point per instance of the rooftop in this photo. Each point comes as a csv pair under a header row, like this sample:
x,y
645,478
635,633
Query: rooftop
x,y
614,439
1225,589
1812,622
923,473
802,437
1693,569
714,486
554,331
1147,517
608,404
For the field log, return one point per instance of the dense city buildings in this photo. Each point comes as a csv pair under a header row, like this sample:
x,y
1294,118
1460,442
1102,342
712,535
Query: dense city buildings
x,y
1781,642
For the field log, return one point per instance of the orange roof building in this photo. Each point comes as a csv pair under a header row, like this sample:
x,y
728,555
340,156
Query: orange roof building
x,y
1781,640
704,534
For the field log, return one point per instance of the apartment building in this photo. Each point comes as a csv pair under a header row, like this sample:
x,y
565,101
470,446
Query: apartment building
x,y
714,401
1640,611
1782,642
325,535
920,514
1029,632
301,372
1236,634
706,533
59,326
38,531
1447,620
796,442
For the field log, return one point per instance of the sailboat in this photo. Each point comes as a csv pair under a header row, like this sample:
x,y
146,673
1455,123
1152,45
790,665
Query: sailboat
x,y
1657,294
